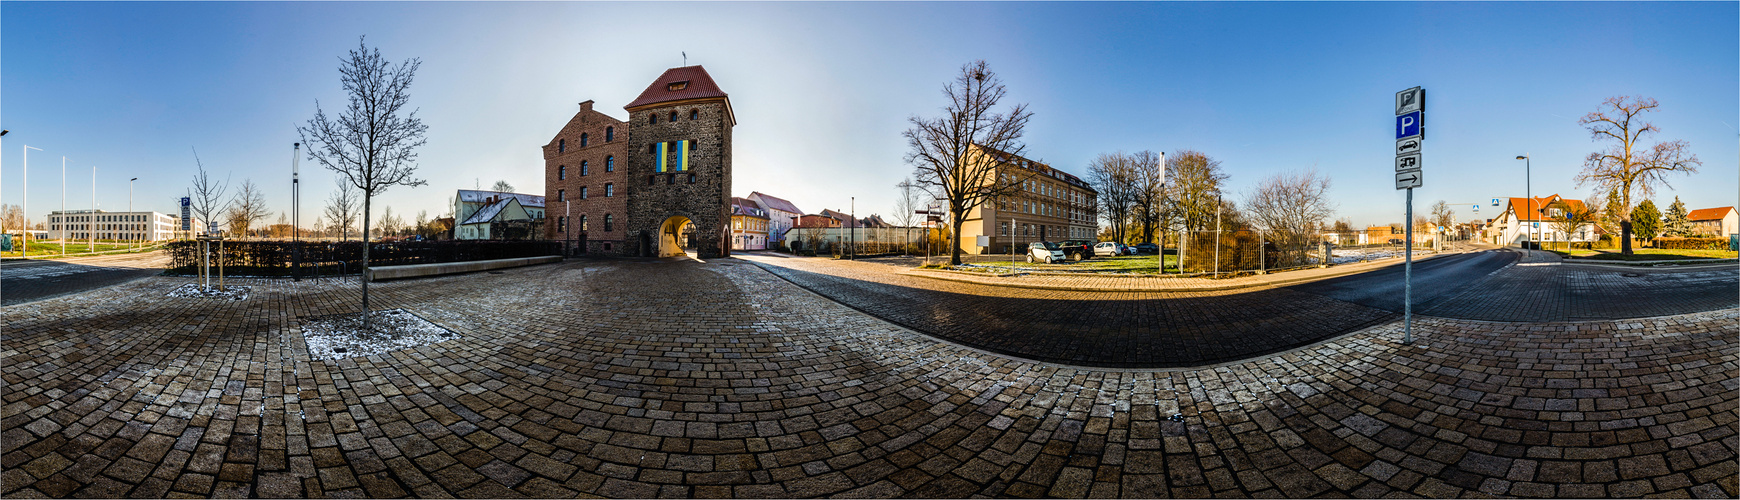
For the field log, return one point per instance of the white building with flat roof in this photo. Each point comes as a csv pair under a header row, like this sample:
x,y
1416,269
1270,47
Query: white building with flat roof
x,y
117,226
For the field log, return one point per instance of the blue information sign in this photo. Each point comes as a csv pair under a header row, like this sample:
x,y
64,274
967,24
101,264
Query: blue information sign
x,y
1409,125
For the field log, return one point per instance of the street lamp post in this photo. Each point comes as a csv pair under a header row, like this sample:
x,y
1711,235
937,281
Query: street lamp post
x,y
1529,193
25,251
91,237
130,205
296,210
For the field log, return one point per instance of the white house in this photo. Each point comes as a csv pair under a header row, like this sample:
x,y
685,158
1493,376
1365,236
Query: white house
x,y
1535,222
781,215
1719,221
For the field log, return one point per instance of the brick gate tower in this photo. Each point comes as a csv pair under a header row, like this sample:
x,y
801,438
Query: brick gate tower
x,y
679,167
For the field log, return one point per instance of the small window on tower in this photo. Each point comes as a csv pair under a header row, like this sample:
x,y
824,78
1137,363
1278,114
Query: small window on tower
x,y
694,113
673,116
675,86
609,134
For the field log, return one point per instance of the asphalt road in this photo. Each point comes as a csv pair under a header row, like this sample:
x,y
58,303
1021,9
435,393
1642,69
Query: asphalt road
x,y
1176,329
24,281
1434,281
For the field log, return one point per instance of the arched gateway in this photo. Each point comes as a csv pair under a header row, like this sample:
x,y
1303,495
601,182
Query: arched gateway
x,y
675,236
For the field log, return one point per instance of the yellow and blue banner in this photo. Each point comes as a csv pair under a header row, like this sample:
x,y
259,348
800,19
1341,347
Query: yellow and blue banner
x,y
663,153
683,166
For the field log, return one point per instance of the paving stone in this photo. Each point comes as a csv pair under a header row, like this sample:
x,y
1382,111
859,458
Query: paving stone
x,y
753,387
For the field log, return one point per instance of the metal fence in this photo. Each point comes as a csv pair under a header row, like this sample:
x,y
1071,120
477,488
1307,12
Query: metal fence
x,y
276,258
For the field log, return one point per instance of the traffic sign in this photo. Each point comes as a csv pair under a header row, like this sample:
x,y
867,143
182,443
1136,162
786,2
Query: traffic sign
x,y
1407,180
1411,100
1410,145
1477,208
1408,163
1410,125
1495,202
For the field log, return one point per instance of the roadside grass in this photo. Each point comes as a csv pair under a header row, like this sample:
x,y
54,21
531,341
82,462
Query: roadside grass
x,y
1140,264
52,250
1648,254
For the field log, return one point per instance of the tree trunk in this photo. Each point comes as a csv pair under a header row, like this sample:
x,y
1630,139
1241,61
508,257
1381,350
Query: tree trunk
x,y
958,219
365,264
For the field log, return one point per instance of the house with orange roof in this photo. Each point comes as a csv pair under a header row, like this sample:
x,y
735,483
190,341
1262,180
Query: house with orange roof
x,y
1719,221
1531,219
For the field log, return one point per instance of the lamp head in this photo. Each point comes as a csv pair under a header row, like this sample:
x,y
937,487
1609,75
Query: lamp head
x,y
1522,157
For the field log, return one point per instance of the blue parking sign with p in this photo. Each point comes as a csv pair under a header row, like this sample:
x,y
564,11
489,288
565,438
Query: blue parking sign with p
x,y
1408,125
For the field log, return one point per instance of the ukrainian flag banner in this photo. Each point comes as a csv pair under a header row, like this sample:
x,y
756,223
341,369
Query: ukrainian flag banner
x,y
684,165
664,152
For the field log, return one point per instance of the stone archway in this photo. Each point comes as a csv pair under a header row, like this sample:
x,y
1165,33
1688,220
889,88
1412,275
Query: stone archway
x,y
674,235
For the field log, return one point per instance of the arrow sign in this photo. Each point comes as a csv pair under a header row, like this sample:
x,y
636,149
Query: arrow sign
x,y
1407,180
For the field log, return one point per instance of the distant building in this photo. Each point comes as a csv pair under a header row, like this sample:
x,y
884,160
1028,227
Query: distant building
x,y
119,226
781,215
1525,219
494,215
656,184
1719,221
1050,205
749,225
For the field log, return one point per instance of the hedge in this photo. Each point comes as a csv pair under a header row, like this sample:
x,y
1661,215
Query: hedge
x,y
273,258
1692,243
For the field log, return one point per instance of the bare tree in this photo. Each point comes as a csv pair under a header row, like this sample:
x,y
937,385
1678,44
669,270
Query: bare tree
x,y
248,208
341,209
370,145
503,186
422,227
391,223
13,217
1150,191
1570,217
1442,214
1196,180
960,152
205,195
1628,166
1114,176
1290,207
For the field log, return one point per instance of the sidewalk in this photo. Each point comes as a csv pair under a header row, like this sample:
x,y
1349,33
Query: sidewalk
x,y
1152,283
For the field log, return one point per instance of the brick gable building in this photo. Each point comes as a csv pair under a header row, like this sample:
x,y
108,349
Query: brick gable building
x,y
653,185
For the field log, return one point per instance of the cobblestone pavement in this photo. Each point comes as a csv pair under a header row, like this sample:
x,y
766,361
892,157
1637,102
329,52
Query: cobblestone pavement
x,y
1108,329
630,379
30,280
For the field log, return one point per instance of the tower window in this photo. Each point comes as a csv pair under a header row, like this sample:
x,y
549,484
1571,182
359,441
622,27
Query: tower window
x,y
670,178
694,113
675,86
583,140
561,195
582,222
652,118
561,145
649,179
609,134
609,189
610,164
691,178
609,222
583,168
561,172
582,192
673,116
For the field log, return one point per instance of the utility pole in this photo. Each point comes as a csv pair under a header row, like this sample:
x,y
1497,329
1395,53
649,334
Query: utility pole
x,y
92,221
64,220
296,210
130,205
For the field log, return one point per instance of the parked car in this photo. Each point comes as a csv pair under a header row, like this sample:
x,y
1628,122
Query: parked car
x,y
1111,249
1044,251
1079,249
1147,248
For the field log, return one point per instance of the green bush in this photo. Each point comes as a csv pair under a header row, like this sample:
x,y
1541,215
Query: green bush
x,y
1691,243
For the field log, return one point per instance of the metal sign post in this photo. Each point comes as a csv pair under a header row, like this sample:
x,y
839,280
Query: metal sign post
x,y
1410,136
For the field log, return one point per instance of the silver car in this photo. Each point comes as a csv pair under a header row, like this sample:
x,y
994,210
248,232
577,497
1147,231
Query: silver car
x,y
1044,251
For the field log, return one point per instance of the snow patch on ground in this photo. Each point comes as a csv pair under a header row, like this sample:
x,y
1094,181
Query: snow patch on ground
x,y
194,290
341,336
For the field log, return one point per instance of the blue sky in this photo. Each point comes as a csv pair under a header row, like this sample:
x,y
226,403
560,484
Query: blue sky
x,y
823,90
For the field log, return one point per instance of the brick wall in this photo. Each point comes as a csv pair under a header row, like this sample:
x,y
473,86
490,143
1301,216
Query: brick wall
x,y
565,150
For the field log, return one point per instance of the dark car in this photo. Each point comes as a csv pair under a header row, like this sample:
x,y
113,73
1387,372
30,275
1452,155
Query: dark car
x,y
1147,248
1077,249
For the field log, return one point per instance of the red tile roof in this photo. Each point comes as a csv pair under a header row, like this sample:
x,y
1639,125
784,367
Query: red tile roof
x,y
1541,203
1709,213
696,85
776,203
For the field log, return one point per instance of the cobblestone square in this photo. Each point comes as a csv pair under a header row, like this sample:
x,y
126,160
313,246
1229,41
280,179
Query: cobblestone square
x,y
688,379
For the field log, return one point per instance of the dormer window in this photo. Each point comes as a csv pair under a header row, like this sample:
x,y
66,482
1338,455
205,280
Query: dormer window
x,y
675,86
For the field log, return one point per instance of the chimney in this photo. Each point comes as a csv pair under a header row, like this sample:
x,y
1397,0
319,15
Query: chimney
x,y
586,106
